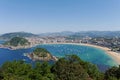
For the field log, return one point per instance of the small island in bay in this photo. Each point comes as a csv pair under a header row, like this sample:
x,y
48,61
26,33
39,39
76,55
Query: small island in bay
x,y
42,55
16,43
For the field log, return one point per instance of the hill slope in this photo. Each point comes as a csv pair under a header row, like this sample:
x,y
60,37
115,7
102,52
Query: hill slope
x,y
17,41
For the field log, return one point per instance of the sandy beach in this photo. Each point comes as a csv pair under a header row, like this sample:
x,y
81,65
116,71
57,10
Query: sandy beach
x,y
114,55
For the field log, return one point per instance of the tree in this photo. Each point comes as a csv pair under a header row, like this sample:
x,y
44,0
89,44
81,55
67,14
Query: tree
x,y
16,70
69,68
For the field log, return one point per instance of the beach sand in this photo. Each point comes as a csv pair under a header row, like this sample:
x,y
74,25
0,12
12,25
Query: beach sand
x,y
114,55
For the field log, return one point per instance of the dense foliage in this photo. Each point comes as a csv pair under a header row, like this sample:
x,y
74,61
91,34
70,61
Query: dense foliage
x,y
73,68
18,70
41,52
113,73
16,41
68,68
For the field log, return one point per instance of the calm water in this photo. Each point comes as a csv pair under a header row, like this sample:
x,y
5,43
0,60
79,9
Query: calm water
x,y
90,54
1,42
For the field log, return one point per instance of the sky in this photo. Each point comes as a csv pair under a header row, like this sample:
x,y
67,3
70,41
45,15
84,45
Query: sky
x,y
40,16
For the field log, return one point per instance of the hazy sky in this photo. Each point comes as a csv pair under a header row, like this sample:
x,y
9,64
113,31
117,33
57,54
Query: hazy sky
x,y
39,16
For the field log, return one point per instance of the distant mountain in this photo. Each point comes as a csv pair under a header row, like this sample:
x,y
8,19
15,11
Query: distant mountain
x,y
97,34
84,34
68,34
64,33
17,34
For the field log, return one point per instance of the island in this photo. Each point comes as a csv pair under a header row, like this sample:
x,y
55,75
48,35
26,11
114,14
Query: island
x,y
42,55
16,43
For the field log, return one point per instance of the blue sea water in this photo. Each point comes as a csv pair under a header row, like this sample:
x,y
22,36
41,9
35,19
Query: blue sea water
x,y
90,54
1,41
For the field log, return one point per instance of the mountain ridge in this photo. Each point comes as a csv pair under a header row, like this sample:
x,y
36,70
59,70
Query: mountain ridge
x,y
8,36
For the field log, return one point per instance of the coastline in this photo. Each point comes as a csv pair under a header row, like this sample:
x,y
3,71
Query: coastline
x,y
33,57
18,47
114,55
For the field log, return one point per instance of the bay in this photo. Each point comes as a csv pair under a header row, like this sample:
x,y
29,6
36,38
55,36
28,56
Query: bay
x,y
86,53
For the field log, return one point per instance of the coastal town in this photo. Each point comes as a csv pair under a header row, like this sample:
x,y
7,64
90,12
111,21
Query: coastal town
x,y
112,43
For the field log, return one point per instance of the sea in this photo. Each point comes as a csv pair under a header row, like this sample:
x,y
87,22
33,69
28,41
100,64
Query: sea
x,y
90,54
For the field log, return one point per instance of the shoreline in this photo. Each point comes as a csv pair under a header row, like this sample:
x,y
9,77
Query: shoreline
x,y
33,57
114,55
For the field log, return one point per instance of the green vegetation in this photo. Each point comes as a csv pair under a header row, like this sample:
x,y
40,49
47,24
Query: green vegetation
x,y
113,73
17,41
41,52
73,68
70,67
18,70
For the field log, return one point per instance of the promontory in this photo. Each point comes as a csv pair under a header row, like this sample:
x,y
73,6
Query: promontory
x,y
17,43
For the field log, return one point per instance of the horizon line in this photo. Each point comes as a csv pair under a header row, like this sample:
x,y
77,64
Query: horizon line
x,y
63,31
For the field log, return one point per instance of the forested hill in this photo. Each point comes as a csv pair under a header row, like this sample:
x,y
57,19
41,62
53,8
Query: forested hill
x,y
41,54
17,41
16,34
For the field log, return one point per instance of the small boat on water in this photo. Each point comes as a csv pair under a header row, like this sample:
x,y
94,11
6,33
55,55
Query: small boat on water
x,y
25,54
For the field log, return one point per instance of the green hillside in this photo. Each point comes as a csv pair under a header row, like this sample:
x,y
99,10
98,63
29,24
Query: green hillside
x,y
17,41
40,52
